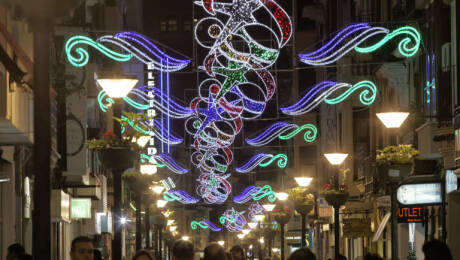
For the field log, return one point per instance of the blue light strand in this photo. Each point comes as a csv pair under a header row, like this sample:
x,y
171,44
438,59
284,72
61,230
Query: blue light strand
x,y
167,161
180,196
255,193
263,160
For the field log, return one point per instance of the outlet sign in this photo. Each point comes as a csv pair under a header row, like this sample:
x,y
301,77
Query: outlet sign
x,y
410,214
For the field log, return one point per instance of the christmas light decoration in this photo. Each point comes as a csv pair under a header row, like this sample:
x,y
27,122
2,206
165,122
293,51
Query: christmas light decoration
x,y
263,160
134,44
323,92
230,95
255,193
352,38
283,131
159,132
162,160
213,188
204,224
233,220
255,209
180,196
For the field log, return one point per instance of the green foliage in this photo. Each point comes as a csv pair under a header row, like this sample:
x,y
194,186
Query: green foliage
x,y
401,154
301,196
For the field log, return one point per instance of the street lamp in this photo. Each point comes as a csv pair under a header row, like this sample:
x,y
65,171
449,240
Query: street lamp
x,y
117,88
241,236
269,207
245,231
282,196
161,203
252,225
336,159
221,242
148,169
157,189
392,119
185,238
303,181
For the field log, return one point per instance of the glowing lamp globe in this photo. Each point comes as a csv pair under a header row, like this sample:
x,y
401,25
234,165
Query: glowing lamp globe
x,y
186,238
282,196
392,119
123,220
157,189
148,169
336,158
161,203
172,228
303,181
252,225
221,242
269,207
262,240
117,88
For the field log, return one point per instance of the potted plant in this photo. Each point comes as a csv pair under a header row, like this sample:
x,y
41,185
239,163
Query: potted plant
x,y
282,213
303,200
119,153
335,194
395,162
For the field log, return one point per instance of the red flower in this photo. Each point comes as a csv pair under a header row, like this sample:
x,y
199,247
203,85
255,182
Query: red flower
x,y
326,186
109,135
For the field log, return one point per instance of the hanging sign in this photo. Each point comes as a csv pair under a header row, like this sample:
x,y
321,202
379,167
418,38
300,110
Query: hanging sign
x,y
81,208
410,214
419,194
451,181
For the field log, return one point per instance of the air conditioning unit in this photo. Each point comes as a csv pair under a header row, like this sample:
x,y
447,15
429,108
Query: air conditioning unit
x,y
446,56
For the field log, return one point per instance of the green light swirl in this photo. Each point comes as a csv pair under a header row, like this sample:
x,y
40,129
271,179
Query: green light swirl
x,y
404,46
194,225
145,158
367,96
137,128
100,99
309,136
82,57
170,197
265,191
282,162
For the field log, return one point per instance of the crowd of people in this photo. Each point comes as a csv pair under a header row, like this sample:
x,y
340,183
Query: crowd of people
x,y
82,248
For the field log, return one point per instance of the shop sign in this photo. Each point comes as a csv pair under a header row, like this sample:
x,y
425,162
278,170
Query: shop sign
x,y
419,194
81,208
410,214
324,209
451,181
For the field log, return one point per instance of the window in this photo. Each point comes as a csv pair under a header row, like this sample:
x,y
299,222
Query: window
x,y
172,25
163,26
187,25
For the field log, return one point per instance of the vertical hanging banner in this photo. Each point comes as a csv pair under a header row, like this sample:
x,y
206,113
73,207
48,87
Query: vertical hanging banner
x,y
151,112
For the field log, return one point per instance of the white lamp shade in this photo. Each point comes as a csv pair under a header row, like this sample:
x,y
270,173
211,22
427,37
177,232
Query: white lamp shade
x,y
303,181
269,207
245,231
336,158
157,189
172,228
186,238
148,169
241,236
252,225
221,242
259,217
282,196
392,119
161,203
117,88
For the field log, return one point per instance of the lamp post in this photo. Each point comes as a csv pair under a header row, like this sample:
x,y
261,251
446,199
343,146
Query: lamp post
x,y
393,120
336,159
269,208
117,88
303,182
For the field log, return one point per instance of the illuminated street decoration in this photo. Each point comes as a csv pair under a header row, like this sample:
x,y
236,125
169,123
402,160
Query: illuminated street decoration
x,y
353,37
158,131
133,45
214,188
255,209
255,193
180,196
332,93
263,160
233,220
164,160
204,224
283,131
229,95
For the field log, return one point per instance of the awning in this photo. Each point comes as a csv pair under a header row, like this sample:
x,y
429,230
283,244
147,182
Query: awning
x,y
382,225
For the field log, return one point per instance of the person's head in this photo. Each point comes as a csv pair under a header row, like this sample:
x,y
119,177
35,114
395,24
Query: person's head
x,y
143,255
436,249
14,251
370,256
97,255
182,250
237,252
302,254
25,257
214,251
228,256
82,249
